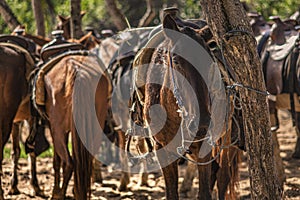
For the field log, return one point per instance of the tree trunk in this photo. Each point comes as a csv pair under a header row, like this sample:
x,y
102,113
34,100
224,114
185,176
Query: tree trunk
x,y
76,31
39,17
51,11
117,16
8,16
239,50
149,15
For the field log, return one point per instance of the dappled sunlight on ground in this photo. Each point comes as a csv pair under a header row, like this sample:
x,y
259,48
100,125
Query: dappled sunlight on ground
x,y
109,188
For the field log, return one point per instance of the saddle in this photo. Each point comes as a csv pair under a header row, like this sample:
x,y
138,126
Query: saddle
x,y
51,54
278,60
25,43
52,51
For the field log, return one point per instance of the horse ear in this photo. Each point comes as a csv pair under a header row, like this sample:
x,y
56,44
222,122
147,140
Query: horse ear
x,y
82,13
84,38
62,19
169,24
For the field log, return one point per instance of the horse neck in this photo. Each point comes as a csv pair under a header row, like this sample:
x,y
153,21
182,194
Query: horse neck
x,y
37,39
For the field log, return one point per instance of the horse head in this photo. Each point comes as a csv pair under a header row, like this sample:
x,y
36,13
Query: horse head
x,y
258,24
65,25
280,28
207,84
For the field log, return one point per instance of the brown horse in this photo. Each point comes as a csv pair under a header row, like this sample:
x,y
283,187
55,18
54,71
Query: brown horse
x,y
280,60
71,75
15,66
167,141
118,55
65,25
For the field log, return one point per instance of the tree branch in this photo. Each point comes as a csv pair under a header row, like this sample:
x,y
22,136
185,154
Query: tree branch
x,y
39,17
149,15
117,16
8,16
76,31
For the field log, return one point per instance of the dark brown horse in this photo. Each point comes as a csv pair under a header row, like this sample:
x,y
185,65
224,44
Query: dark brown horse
x,y
171,130
15,67
280,60
117,55
26,112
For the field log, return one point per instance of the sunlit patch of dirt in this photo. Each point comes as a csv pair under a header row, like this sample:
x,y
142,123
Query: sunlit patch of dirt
x,y
109,188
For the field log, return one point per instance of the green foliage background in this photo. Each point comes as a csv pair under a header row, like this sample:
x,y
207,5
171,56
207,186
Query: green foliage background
x,y
283,8
98,17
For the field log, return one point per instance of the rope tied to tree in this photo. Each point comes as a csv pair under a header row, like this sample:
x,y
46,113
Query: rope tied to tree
x,y
230,72
238,32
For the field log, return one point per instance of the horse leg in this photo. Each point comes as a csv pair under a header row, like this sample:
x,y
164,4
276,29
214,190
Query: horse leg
x,y
273,115
204,174
56,166
125,175
15,156
296,153
142,148
5,129
34,181
97,177
64,154
190,173
170,173
223,175
214,170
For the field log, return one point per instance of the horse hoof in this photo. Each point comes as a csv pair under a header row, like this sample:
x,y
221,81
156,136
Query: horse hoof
x,y
144,184
57,197
98,179
296,155
40,193
13,191
183,194
123,187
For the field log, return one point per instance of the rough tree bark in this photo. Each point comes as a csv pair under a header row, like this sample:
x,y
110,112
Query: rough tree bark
x,y
117,16
149,15
39,17
76,31
240,52
8,16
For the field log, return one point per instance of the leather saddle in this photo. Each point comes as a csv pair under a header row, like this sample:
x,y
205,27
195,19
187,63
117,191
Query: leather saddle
x,y
20,41
279,61
57,49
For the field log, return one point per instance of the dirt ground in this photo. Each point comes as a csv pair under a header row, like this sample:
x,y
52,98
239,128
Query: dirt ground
x,y
108,190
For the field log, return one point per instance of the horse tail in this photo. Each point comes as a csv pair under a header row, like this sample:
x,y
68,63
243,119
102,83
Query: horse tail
x,y
82,166
80,128
90,96
235,159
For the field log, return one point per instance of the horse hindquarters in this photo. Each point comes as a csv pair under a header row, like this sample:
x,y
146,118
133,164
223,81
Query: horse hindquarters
x,y
13,88
86,131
